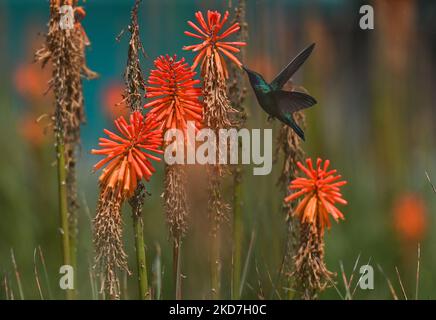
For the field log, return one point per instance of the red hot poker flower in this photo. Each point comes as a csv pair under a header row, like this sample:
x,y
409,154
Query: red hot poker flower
x,y
213,41
321,191
127,154
176,99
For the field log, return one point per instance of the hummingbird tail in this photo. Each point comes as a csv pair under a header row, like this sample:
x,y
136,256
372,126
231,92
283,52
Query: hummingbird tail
x,y
289,120
297,130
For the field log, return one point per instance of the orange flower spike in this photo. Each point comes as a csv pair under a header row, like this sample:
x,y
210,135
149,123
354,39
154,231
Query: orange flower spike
x,y
174,98
127,154
321,190
212,40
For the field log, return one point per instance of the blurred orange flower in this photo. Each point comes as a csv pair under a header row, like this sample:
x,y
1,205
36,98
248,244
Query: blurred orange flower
x,y
113,101
32,82
31,131
321,190
410,217
212,42
127,154
175,98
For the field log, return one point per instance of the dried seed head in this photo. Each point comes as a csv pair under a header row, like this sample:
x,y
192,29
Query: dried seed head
x,y
217,109
288,143
236,82
219,209
310,270
133,74
108,234
66,50
176,206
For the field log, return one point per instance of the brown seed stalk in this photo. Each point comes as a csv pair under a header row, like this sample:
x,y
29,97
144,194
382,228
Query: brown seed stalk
x,y
218,114
290,145
65,48
108,241
310,270
176,205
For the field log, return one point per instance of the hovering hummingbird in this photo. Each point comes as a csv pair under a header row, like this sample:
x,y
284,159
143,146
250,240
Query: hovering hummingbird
x,y
279,103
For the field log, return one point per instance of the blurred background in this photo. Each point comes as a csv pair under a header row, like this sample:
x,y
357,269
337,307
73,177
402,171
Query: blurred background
x,y
375,121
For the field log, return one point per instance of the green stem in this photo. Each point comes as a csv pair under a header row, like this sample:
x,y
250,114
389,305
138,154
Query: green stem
x,y
63,206
215,265
138,227
290,294
237,234
73,253
177,247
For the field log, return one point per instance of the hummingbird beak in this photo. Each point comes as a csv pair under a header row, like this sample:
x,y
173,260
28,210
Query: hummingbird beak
x,y
245,69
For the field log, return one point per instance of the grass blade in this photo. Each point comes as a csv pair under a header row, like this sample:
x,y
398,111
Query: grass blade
x,y
35,271
346,283
360,278
17,275
247,262
391,287
432,185
5,284
44,269
401,283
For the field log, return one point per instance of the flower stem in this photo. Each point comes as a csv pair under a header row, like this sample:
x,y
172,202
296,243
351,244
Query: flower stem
x,y
177,247
290,294
215,265
63,206
237,234
73,251
138,227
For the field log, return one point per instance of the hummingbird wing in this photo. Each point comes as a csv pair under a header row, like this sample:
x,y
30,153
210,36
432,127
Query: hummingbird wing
x,y
284,75
293,101
289,102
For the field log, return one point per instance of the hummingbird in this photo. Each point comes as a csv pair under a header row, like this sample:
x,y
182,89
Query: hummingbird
x,y
277,102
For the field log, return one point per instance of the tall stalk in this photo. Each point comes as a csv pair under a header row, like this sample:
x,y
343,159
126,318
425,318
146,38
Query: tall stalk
x,y
63,205
176,209
141,262
218,114
133,93
177,260
136,203
218,210
237,92
174,98
215,265
289,144
65,47
238,232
